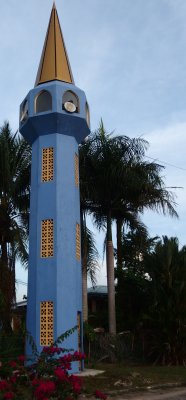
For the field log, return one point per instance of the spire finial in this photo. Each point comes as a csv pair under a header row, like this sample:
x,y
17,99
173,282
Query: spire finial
x,y
54,63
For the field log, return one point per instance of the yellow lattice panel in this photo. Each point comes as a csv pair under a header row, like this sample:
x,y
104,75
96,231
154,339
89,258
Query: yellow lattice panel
x,y
76,162
47,238
78,243
47,164
46,323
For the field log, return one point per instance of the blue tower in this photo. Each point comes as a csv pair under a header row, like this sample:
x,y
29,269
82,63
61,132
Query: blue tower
x,y
54,119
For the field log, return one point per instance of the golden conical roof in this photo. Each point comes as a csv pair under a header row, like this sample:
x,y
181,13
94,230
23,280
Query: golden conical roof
x,y
54,63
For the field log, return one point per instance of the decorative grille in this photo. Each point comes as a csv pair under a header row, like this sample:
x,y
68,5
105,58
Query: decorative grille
x,y
78,244
47,164
46,323
47,238
76,161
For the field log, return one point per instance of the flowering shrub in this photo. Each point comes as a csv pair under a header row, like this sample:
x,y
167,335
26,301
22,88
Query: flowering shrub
x,y
49,378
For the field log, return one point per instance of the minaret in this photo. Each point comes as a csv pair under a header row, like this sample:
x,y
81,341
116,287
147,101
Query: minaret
x,y
54,119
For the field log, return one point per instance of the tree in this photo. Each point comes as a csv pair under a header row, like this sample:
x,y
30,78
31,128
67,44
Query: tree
x,y
15,159
90,263
119,185
146,189
104,175
166,322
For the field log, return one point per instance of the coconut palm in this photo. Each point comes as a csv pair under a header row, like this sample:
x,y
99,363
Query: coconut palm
x,y
15,157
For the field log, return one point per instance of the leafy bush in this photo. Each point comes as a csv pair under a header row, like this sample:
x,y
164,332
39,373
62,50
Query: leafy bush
x,y
48,378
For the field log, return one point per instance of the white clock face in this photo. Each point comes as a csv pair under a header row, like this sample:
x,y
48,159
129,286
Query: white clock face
x,y
70,107
24,112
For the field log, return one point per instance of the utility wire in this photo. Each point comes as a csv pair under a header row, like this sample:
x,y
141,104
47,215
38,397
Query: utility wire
x,y
164,162
21,282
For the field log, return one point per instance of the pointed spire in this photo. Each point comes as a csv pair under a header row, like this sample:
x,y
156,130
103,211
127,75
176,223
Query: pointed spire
x,y
54,63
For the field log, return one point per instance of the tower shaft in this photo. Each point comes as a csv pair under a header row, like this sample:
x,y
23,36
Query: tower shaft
x,y
54,119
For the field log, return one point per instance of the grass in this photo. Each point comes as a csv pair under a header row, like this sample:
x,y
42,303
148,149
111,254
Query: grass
x,y
116,377
121,377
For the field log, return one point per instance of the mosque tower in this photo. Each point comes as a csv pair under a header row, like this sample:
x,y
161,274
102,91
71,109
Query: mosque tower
x,y
54,119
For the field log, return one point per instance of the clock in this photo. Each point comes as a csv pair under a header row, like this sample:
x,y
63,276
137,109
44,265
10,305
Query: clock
x,y
69,107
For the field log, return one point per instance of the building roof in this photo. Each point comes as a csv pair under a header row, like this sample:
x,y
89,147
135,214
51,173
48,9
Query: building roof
x,y
54,63
98,290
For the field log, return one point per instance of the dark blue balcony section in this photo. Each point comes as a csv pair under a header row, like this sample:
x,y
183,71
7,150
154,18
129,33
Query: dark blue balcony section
x,y
54,122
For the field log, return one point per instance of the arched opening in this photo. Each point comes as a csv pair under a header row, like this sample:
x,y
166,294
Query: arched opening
x,y
43,102
24,111
70,102
87,114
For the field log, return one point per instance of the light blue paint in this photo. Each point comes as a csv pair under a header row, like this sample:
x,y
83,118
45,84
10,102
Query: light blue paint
x,y
56,278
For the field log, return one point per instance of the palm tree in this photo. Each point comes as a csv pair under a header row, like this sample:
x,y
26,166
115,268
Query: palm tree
x,y
89,262
101,170
146,189
120,185
15,158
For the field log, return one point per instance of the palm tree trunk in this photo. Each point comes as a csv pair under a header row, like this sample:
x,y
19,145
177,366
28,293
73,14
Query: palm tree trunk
x,y
110,277
4,254
84,267
84,288
5,289
119,224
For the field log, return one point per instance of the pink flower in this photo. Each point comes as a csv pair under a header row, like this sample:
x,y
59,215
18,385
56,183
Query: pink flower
x,y
21,358
52,350
76,383
61,374
100,395
13,364
8,395
79,356
3,385
13,379
76,387
44,388
35,382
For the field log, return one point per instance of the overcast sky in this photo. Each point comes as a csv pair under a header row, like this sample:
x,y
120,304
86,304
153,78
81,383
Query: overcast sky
x,y
129,57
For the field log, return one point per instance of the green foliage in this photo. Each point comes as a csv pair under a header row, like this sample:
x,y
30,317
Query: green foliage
x,y
65,335
133,301
11,345
89,251
166,267
15,160
117,184
152,305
